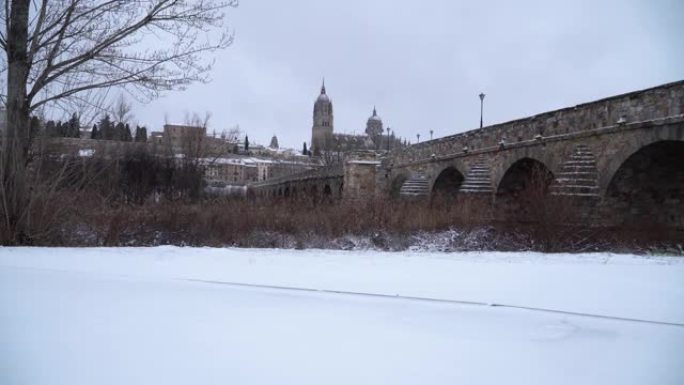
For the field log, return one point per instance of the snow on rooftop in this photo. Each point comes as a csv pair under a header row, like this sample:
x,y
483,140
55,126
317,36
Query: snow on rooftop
x,y
251,161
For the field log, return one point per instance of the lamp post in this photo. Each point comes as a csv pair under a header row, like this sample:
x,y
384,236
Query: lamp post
x,y
388,138
482,96
431,132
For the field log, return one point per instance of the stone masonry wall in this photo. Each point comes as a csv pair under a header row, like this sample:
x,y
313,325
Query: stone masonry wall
x,y
360,172
658,102
649,188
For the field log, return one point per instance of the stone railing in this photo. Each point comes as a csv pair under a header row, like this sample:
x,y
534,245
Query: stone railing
x,y
323,172
654,103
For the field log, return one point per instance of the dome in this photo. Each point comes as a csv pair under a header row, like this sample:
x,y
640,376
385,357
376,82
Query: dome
x,y
374,117
323,97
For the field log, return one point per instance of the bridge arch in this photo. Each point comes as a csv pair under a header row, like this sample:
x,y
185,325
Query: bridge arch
x,y
612,162
395,186
447,183
648,186
523,189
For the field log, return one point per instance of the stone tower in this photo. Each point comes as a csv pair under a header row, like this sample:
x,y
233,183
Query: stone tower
x,y
322,130
374,128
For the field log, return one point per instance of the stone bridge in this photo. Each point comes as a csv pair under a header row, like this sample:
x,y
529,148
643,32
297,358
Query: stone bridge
x,y
318,184
620,159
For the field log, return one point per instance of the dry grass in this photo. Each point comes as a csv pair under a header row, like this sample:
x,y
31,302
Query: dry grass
x,y
301,224
101,202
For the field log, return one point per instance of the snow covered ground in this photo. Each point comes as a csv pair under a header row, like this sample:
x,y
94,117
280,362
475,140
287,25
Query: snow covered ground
x,y
243,316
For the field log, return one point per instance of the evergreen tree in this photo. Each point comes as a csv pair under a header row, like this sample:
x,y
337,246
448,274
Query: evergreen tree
x,y
106,128
119,132
94,134
140,134
127,133
246,143
73,127
59,129
50,129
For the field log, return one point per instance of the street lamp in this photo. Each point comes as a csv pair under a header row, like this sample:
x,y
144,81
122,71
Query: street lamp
x,y
388,138
431,134
482,95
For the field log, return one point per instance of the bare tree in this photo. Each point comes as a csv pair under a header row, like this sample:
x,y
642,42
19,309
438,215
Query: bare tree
x,y
332,152
195,120
57,51
121,110
232,134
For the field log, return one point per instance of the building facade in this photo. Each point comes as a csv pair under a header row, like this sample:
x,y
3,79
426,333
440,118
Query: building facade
x,y
184,138
245,169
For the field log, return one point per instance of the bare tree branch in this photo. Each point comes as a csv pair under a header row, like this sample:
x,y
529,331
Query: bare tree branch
x,y
112,54
121,110
59,52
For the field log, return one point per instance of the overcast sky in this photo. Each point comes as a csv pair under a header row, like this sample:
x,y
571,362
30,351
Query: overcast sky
x,y
423,63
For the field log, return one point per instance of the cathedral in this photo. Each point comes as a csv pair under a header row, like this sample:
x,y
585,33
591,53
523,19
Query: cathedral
x,y
325,141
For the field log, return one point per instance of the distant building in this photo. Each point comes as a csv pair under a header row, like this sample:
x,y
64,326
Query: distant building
x,y
157,138
180,136
246,169
274,143
325,140
322,130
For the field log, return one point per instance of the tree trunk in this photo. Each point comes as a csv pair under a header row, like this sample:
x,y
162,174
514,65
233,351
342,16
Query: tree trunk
x,y
16,139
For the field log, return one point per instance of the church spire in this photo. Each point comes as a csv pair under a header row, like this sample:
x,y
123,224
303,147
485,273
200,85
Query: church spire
x,y
323,87
375,113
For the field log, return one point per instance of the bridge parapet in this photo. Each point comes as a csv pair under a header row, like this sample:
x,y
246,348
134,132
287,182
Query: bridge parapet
x,y
646,105
323,182
316,173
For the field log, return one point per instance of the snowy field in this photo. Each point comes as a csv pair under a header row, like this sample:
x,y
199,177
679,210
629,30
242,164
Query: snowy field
x,y
239,316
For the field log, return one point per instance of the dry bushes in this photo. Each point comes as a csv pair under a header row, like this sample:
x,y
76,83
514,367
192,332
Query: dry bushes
x,y
52,189
236,221
141,200
550,222
300,223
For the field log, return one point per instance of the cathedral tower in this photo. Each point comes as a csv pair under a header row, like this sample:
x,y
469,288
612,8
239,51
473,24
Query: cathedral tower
x,y
322,130
374,129
374,125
